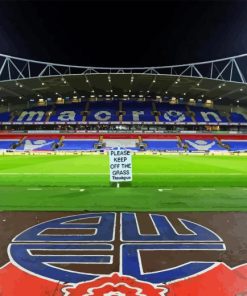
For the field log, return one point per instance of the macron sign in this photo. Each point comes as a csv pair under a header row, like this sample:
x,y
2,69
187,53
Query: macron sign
x,y
120,165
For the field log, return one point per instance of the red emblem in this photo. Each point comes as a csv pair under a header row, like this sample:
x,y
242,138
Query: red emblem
x,y
114,285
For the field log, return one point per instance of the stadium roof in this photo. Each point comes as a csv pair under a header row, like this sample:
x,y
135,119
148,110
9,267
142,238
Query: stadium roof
x,y
222,80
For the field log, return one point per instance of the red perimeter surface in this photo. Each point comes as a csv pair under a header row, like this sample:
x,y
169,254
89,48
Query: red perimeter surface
x,y
218,281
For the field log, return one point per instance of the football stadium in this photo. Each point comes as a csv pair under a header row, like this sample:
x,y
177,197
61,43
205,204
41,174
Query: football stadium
x,y
110,170
186,133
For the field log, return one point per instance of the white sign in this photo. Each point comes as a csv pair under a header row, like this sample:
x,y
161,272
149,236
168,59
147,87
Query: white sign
x,y
120,165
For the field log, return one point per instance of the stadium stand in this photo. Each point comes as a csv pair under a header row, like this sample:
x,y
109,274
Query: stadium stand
x,y
163,145
135,125
237,117
173,113
77,145
236,145
71,113
103,111
138,111
114,111
158,142
203,115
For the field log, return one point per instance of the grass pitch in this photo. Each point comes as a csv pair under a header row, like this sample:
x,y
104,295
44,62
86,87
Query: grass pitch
x,y
160,183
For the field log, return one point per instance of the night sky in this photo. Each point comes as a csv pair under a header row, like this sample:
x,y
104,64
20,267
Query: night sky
x,y
116,33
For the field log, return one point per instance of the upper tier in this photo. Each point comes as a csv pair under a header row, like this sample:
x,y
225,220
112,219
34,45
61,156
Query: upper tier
x,y
123,111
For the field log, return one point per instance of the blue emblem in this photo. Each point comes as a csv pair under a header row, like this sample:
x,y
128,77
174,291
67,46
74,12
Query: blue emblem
x,y
43,248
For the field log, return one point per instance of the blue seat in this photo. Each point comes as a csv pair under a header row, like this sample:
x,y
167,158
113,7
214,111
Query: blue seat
x,y
173,113
203,145
236,145
162,145
145,109
103,111
6,144
237,117
80,145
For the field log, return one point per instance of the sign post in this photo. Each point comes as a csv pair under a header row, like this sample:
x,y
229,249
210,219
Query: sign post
x,y
120,166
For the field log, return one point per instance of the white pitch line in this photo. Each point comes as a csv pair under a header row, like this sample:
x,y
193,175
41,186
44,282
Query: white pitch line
x,y
208,189
77,189
34,189
144,174
53,174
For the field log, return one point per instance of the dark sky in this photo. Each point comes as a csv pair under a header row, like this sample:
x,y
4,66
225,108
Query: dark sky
x,y
116,33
